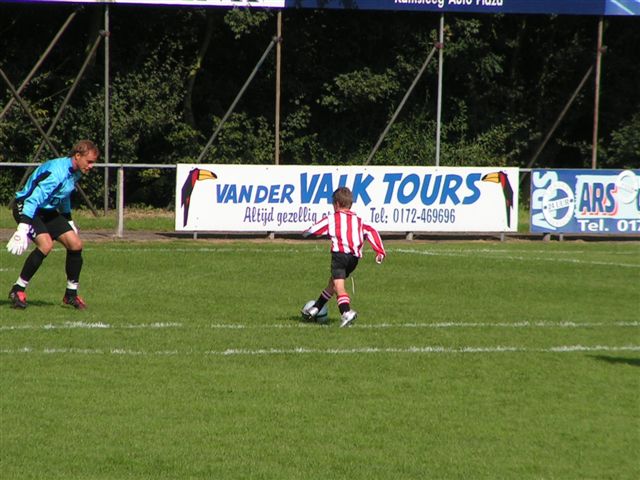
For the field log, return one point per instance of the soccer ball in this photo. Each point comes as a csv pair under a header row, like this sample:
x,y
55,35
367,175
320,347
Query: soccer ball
x,y
323,314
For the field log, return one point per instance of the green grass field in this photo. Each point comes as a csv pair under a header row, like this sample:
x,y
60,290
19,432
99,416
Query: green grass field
x,y
469,360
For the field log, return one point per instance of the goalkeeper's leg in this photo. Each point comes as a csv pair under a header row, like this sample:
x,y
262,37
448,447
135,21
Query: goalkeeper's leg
x,y
73,267
31,265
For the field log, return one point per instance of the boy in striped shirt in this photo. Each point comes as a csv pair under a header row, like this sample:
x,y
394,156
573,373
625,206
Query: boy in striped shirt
x,y
347,232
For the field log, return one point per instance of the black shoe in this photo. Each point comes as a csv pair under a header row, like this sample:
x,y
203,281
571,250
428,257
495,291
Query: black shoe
x,y
75,301
18,299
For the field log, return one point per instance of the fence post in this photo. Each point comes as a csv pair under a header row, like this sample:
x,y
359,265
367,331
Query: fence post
x,y
120,206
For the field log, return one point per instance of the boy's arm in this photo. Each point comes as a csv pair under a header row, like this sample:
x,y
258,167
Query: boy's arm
x,y
317,229
373,237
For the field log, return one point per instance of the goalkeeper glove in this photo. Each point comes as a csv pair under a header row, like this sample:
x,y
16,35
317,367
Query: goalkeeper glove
x,y
19,241
379,258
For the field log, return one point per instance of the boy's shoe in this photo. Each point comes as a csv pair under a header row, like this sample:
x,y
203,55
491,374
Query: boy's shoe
x,y
18,299
348,318
309,313
74,301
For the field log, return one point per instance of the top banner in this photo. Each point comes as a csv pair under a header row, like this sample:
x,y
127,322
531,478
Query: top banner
x,y
559,7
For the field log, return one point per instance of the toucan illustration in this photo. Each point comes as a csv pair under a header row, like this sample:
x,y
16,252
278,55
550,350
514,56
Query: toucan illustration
x,y
194,175
503,180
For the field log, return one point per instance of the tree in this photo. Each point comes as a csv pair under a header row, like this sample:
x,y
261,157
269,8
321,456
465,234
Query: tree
x,y
343,75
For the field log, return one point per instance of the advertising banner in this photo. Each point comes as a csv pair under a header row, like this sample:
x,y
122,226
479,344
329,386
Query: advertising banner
x,y
585,201
177,3
622,7
559,7
256,198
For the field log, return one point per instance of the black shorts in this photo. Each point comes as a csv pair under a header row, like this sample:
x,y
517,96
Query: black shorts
x,y
342,264
45,221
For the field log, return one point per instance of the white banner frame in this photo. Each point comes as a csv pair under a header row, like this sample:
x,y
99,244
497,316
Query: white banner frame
x,y
281,198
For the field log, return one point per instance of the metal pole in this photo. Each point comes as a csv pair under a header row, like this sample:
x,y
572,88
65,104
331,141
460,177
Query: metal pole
x,y
278,63
235,101
596,107
38,63
558,120
72,90
106,108
25,107
120,227
404,100
440,68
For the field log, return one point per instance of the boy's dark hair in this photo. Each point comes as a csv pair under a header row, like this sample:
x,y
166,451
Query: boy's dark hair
x,y
83,147
343,197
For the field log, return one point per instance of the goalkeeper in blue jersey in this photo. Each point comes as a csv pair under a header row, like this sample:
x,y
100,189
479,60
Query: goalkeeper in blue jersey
x,y
42,210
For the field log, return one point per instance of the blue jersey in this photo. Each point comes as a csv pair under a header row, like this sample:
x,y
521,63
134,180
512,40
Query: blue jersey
x,y
49,187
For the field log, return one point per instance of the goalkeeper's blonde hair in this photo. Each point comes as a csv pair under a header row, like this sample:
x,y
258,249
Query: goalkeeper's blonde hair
x,y
83,147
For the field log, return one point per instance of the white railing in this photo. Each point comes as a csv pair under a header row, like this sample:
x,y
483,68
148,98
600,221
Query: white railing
x,y
120,183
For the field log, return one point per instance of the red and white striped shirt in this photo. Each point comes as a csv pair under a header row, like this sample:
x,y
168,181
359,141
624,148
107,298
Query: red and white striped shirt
x,y
347,232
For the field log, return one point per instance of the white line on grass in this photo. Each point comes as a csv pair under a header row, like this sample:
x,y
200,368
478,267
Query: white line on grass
x,y
279,326
524,324
90,326
328,351
195,249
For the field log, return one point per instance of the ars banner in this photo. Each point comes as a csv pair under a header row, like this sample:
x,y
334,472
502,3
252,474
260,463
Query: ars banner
x,y
585,201
252,198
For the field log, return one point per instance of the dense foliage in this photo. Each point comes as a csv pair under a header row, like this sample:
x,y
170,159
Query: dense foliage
x,y
175,72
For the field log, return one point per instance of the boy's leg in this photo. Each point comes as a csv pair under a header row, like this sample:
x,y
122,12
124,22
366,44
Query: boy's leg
x,y
348,316
325,296
348,264
344,302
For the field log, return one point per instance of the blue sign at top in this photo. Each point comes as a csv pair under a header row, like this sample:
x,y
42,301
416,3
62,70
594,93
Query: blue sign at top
x,y
622,7
561,7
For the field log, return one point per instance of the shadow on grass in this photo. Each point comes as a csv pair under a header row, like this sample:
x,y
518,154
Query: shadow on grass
x,y
30,303
635,362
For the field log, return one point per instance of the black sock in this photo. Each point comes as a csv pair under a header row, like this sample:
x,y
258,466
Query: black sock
x,y
73,266
344,303
32,264
322,299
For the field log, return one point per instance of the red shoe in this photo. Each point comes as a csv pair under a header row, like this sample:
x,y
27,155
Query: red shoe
x,y
75,301
18,299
